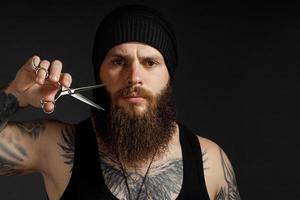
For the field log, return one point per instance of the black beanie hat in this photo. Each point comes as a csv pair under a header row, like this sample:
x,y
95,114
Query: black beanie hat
x,y
136,23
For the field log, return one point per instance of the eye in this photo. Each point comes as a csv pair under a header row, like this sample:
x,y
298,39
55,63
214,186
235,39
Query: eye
x,y
152,63
118,61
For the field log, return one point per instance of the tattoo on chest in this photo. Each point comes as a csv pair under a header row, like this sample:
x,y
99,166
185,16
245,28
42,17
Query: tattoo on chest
x,y
67,144
164,181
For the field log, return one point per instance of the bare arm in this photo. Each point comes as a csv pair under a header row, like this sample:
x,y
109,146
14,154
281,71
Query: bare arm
x,y
219,174
19,147
228,188
22,144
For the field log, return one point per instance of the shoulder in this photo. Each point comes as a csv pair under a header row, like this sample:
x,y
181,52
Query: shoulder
x,y
219,174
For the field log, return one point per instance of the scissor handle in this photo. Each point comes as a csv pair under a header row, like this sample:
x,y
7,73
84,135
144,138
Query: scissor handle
x,y
43,102
62,91
57,95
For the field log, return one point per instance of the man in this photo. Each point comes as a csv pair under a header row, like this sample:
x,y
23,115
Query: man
x,y
136,149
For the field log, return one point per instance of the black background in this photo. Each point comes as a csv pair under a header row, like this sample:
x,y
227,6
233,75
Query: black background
x,y
237,83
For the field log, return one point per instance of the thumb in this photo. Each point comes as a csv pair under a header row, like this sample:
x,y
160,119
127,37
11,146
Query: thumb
x,y
47,106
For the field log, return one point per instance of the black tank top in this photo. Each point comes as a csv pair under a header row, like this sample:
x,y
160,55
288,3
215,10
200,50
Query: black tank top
x,y
87,181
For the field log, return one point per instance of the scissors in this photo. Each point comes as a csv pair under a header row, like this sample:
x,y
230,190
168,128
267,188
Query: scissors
x,y
73,92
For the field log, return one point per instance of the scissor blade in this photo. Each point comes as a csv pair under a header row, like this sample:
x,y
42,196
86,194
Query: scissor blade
x,y
75,90
86,100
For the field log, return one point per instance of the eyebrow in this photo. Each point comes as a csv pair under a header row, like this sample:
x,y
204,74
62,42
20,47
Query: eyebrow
x,y
151,57
119,55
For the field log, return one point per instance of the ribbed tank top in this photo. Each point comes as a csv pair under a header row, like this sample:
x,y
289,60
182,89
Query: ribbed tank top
x,y
87,181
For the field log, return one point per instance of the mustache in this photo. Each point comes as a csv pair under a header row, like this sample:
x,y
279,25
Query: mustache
x,y
133,90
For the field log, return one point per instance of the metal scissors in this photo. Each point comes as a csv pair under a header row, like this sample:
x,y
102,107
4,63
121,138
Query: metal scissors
x,y
73,92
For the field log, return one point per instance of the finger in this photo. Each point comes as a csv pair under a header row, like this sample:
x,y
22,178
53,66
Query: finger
x,y
42,72
66,79
35,61
32,63
55,70
48,107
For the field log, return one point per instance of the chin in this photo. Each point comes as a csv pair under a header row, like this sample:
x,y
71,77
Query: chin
x,y
139,110
134,108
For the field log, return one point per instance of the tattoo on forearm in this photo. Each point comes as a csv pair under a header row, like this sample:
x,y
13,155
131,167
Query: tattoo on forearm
x,y
9,168
12,152
3,124
6,150
8,106
21,149
230,191
12,155
32,128
163,182
68,145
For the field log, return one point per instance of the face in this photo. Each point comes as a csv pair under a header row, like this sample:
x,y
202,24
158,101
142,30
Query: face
x,y
134,74
141,101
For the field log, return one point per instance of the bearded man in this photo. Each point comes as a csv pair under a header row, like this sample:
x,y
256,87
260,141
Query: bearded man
x,y
136,148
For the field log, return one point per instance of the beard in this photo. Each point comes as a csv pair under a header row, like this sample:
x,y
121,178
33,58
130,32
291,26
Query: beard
x,y
133,136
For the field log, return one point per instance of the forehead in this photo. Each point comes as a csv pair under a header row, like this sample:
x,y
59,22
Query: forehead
x,y
130,48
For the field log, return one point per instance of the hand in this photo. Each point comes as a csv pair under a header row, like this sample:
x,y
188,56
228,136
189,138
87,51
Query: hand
x,y
31,85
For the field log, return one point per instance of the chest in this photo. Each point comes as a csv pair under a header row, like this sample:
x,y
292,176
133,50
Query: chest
x,y
163,181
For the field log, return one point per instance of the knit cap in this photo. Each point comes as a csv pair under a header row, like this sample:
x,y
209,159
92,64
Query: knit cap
x,y
135,23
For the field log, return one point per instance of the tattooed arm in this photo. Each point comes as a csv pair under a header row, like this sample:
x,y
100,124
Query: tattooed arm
x,y
45,146
228,188
219,175
15,158
25,145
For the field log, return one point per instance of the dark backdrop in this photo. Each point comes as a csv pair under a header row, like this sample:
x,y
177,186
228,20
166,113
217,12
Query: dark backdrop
x,y
237,83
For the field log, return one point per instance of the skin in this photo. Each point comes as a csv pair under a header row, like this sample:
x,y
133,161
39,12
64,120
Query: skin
x,y
134,64
47,146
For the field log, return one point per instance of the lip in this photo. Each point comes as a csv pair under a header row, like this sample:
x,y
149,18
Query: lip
x,y
134,99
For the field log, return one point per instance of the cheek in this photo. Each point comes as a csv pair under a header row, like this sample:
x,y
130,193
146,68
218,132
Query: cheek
x,y
110,81
159,81
104,75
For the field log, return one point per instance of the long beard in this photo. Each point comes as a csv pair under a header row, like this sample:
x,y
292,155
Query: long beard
x,y
134,137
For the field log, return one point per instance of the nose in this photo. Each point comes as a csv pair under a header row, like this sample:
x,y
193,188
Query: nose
x,y
134,75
